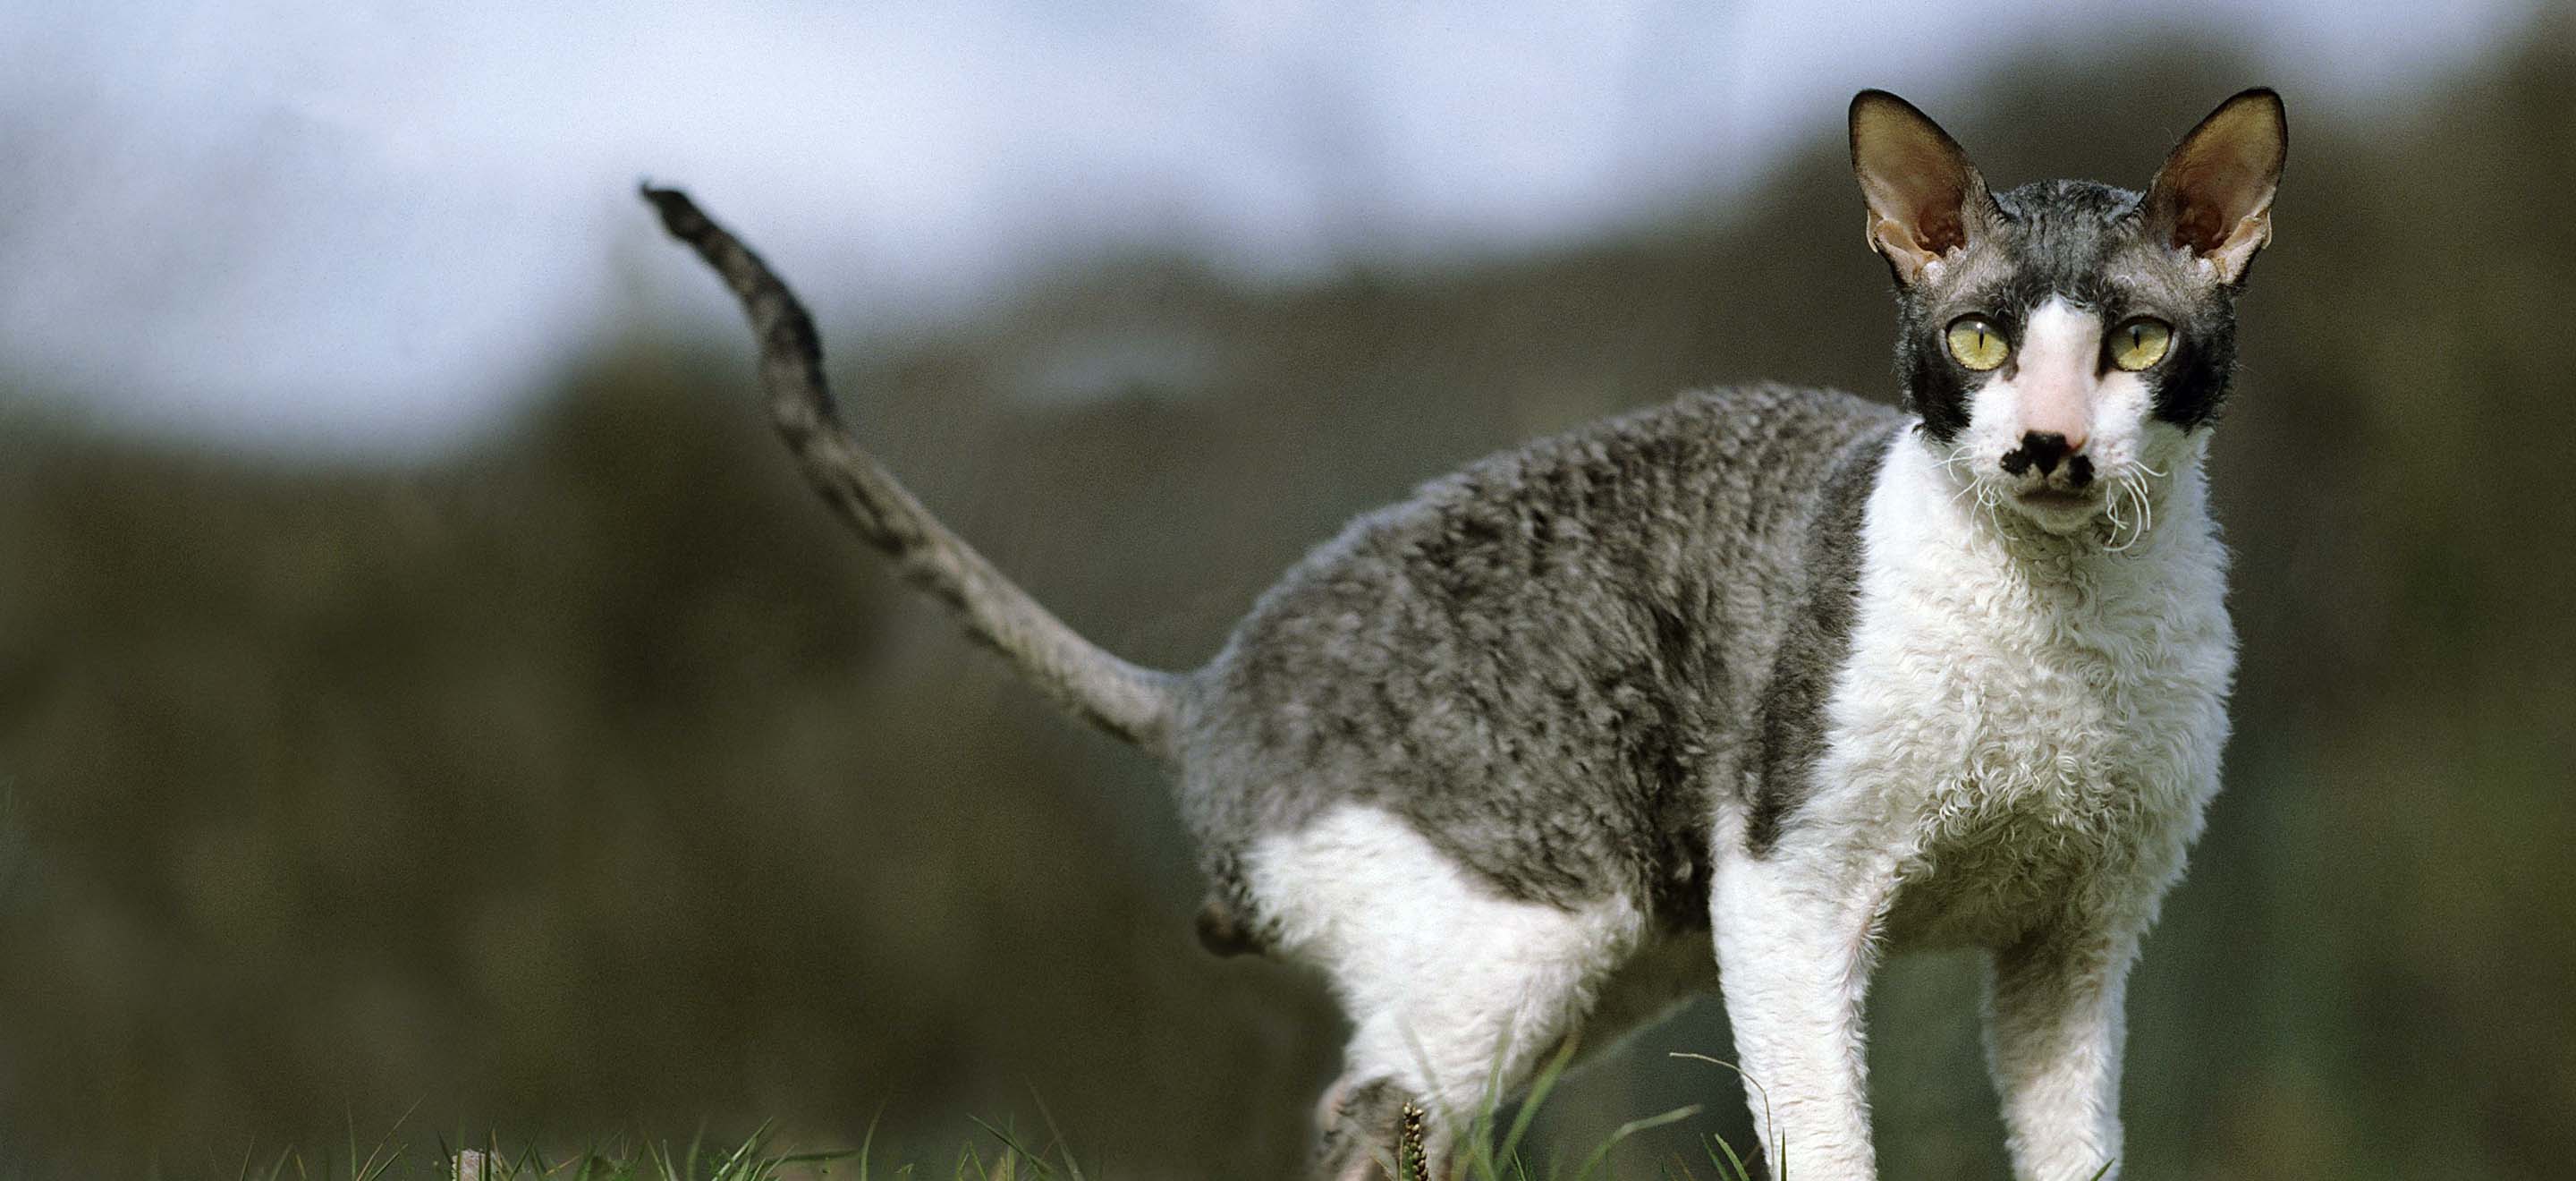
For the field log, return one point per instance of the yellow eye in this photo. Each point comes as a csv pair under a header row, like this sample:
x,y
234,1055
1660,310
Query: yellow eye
x,y
1977,343
2140,343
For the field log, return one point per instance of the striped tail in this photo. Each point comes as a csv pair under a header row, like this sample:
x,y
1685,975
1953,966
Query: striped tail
x,y
1131,702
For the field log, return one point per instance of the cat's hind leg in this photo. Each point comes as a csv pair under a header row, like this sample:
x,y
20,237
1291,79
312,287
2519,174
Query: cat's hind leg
x,y
1456,991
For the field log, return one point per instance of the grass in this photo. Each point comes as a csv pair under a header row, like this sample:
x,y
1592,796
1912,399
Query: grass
x,y
1004,1158
757,1158
1492,1157
1000,1154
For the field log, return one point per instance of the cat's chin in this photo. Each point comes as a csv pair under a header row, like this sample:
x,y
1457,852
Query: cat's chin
x,y
2058,511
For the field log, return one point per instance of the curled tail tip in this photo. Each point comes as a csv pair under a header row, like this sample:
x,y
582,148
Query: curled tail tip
x,y
681,217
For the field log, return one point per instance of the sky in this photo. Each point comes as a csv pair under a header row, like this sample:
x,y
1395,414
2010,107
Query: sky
x,y
358,227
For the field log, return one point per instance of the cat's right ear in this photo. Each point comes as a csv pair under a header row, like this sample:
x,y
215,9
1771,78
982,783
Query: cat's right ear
x,y
1925,199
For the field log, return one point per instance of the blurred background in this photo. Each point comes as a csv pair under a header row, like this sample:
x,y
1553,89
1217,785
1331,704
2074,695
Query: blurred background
x,y
425,688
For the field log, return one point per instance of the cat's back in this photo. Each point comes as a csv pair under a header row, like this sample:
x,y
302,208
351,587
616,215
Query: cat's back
x,y
1538,660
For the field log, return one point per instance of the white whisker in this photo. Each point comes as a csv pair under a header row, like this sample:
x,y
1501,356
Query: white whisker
x,y
2129,519
2122,522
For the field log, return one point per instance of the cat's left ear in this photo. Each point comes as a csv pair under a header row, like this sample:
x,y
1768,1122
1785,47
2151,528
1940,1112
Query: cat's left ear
x,y
2213,197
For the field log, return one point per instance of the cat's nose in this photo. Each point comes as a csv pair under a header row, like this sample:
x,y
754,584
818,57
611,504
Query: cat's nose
x,y
2043,450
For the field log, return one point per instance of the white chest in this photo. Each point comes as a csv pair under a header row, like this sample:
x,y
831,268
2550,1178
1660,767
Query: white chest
x,y
2025,729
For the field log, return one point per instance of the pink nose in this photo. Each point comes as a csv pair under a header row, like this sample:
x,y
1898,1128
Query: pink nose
x,y
2057,410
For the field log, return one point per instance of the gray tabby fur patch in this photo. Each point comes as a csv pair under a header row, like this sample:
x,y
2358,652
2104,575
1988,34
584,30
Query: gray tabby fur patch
x,y
1548,660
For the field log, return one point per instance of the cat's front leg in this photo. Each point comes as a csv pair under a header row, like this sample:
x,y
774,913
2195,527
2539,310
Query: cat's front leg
x,y
1795,948
2054,1028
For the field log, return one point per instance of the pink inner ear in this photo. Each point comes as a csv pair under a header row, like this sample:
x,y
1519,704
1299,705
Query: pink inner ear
x,y
2209,197
1934,194
2199,225
1940,228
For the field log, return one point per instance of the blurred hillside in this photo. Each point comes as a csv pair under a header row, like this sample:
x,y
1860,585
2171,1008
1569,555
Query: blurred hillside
x,y
594,781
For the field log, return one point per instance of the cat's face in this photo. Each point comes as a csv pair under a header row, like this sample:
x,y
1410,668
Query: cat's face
x,y
2067,342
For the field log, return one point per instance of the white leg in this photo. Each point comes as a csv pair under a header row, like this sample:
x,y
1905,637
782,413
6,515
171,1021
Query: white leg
x,y
1794,958
2054,1029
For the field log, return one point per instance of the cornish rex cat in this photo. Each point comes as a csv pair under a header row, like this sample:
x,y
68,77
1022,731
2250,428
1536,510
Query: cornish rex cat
x,y
1781,670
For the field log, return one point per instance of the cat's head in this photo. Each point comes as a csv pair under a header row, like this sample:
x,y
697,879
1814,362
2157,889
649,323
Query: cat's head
x,y
2066,339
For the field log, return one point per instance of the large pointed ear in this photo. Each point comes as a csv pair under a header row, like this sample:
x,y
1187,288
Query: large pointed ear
x,y
2213,197
1925,199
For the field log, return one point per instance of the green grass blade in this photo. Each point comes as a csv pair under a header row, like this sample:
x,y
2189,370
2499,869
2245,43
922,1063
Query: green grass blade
x,y
1071,1166
869,1141
1012,1145
1631,1128
1732,1162
731,1169
1538,1092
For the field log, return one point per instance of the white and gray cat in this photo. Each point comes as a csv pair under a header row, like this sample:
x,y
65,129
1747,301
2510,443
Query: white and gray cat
x,y
1779,670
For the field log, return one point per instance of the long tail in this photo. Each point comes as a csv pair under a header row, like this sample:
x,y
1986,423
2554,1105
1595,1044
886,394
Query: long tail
x,y
1133,703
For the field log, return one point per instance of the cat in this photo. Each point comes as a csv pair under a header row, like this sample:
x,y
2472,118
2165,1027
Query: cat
x,y
1781,674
